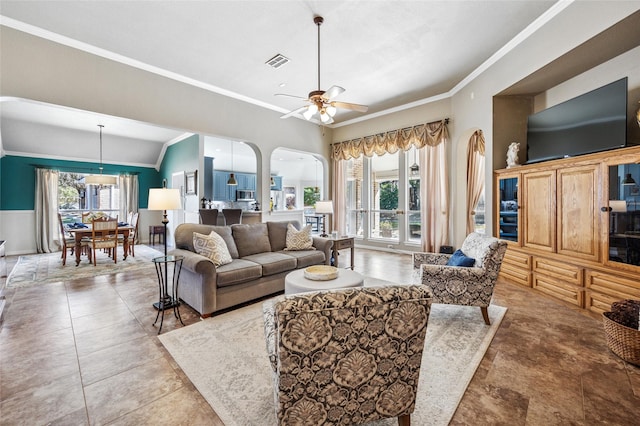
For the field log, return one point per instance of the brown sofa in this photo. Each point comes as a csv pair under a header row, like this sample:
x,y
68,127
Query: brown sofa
x,y
259,264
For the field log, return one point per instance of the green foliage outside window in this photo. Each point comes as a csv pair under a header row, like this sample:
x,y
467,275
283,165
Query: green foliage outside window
x,y
389,195
311,195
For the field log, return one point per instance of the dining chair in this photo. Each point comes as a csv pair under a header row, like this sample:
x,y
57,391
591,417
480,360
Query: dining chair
x,y
209,216
68,241
104,235
132,220
85,217
232,216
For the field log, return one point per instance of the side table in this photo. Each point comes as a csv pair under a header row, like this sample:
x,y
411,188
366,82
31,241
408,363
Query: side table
x,y
156,230
165,300
340,243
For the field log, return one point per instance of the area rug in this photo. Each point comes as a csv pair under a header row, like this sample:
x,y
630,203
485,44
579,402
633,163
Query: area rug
x,y
46,268
226,359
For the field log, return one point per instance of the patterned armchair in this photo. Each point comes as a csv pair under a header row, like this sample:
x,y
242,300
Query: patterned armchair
x,y
457,285
347,356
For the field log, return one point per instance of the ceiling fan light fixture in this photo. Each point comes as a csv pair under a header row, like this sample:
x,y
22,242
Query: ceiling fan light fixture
x,y
331,110
311,110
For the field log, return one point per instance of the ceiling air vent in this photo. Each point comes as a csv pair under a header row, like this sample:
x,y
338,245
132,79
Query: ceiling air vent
x,y
277,61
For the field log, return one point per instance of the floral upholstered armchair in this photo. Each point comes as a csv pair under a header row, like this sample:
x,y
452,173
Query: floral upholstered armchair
x,y
459,285
348,356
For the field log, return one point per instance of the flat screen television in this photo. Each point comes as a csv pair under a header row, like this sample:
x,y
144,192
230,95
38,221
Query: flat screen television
x,y
593,122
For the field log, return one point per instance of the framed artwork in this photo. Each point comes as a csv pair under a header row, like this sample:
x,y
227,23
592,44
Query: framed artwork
x,y
191,182
290,197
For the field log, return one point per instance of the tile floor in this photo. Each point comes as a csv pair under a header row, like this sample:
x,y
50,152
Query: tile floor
x,y
85,352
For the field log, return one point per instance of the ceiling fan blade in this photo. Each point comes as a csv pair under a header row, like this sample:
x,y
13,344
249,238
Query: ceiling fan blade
x,y
294,112
291,96
347,105
332,92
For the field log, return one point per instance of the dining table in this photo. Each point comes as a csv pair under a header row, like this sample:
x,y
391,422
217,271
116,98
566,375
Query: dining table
x,y
81,233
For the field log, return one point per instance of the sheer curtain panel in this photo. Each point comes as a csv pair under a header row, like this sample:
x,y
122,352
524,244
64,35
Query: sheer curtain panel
x,y
128,185
46,211
475,176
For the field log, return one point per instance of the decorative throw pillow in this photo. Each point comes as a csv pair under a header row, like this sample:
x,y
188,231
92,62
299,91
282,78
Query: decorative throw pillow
x,y
299,240
458,258
213,247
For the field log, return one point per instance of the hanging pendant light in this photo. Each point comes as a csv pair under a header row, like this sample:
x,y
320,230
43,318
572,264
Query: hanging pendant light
x,y
414,169
628,180
100,179
232,178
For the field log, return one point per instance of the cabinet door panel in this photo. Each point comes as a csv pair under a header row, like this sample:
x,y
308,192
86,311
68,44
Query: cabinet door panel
x,y
540,210
578,215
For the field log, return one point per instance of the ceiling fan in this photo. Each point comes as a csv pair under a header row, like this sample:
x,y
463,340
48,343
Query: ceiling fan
x,y
320,101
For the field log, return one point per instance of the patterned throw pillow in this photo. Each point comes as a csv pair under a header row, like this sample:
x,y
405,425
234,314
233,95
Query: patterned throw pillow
x,y
213,247
299,240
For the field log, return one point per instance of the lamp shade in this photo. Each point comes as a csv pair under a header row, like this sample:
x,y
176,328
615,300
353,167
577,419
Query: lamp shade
x,y
324,207
164,199
100,180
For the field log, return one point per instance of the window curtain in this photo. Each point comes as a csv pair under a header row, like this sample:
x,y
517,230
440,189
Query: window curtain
x,y
128,185
46,210
434,192
475,176
434,189
339,197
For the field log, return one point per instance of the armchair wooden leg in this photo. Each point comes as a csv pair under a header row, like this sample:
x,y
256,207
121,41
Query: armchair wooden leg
x,y
485,315
404,420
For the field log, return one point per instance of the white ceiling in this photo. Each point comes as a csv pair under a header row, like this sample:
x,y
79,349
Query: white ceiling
x,y
386,54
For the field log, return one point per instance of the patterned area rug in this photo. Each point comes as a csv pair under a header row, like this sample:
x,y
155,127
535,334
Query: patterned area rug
x,y
226,359
46,268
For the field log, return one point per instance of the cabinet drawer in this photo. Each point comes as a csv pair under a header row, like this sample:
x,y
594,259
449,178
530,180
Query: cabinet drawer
x,y
560,290
343,244
561,270
612,285
517,276
517,259
598,302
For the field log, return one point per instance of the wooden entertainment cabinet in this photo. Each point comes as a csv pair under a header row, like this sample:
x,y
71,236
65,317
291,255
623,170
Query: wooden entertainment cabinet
x,y
561,233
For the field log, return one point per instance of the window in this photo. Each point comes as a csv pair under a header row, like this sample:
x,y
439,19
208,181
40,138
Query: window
x,y
74,197
383,198
479,216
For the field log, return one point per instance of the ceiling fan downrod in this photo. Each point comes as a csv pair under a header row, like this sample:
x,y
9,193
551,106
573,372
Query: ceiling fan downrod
x,y
318,20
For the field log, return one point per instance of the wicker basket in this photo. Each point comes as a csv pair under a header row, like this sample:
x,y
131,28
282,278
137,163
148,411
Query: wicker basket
x,y
623,341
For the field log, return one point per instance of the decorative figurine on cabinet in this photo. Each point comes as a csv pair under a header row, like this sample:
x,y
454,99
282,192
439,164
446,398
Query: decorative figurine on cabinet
x,y
512,155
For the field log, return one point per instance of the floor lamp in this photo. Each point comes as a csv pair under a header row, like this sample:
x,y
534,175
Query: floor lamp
x,y
164,199
324,208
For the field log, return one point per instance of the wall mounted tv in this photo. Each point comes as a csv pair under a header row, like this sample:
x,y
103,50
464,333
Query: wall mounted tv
x,y
593,122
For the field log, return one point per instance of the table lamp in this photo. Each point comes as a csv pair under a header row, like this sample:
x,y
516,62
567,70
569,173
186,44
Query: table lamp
x,y
324,208
164,199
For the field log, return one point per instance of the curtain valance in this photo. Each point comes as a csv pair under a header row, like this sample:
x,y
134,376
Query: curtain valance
x,y
421,135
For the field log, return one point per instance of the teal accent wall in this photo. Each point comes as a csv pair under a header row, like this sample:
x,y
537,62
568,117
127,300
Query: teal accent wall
x,y
182,156
18,178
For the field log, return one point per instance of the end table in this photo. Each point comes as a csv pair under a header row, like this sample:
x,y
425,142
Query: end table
x,y
340,243
168,301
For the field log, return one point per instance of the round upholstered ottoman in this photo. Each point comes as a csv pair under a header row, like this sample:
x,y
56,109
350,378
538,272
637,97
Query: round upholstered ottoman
x,y
295,282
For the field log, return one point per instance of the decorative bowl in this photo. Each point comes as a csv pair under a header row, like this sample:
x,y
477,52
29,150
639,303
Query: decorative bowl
x,y
321,273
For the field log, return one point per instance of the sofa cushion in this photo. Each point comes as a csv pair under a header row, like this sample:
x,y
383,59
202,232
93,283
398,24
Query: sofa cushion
x,y
273,263
278,233
251,239
307,257
184,236
213,247
237,272
299,240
